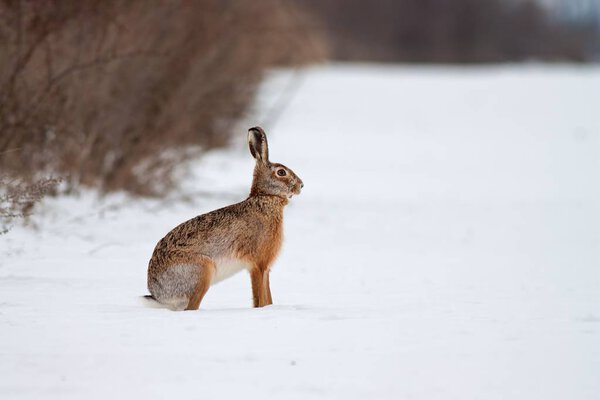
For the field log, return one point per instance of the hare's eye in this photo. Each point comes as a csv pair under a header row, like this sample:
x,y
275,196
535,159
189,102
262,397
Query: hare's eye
x,y
281,172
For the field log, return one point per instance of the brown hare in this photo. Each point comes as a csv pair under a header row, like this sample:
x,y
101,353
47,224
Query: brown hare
x,y
214,246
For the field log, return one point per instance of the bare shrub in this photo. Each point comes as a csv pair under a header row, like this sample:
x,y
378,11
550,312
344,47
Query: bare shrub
x,y
17,198
97,91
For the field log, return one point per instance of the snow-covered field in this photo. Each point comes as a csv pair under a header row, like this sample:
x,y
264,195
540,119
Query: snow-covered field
x,y
446,246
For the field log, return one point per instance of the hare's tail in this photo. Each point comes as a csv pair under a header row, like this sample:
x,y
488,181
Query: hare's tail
x,y
149,301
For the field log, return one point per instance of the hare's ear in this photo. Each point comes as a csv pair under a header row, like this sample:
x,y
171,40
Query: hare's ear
x,y
257,141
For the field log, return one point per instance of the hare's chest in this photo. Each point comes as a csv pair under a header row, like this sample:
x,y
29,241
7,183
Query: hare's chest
x,y
227,267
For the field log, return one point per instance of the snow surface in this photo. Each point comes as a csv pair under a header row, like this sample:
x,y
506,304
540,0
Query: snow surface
x,y
446,246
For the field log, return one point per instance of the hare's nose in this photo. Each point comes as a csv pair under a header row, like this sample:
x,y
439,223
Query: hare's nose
x,y
301,185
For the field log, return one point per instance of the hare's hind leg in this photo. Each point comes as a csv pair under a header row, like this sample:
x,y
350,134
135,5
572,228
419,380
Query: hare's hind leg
x,y
206,273
183,284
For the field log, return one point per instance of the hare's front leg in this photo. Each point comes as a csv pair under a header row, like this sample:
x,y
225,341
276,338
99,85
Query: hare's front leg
x,y
268,287
261,292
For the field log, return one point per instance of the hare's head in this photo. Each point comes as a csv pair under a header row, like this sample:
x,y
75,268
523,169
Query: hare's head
x,y
271,179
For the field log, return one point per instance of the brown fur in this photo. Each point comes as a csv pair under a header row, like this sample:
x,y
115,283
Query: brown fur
x,y
186,261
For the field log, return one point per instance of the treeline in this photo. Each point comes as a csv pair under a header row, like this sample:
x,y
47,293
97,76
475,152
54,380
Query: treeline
x,y
449,31
111,93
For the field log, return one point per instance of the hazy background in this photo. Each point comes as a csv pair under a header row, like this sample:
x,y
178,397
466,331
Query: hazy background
x,y
113,94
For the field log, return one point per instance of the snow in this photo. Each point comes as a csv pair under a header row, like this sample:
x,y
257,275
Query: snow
x,y
446,246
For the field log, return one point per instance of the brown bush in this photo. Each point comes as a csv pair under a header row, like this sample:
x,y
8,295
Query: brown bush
x,y
17,198
99,92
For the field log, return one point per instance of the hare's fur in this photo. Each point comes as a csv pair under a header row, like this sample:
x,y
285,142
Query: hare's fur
x,y
213,246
